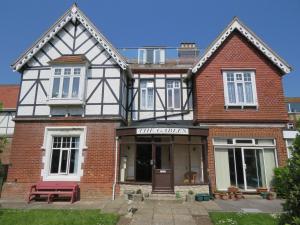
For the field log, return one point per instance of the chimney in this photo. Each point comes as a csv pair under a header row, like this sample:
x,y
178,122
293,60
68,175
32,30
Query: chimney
x,y
188,50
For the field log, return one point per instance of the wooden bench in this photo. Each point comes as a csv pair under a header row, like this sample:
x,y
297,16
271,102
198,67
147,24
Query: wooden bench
x,y
54,188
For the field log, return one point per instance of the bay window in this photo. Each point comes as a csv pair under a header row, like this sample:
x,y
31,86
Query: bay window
x,y
147,94
239,88
67,85
173,94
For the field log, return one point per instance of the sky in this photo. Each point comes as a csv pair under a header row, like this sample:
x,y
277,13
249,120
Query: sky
x,y
133,23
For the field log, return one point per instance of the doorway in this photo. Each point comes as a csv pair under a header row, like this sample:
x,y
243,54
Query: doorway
x,y
143,165
162,168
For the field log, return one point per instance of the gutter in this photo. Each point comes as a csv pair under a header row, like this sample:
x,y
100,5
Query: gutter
x,y
116,168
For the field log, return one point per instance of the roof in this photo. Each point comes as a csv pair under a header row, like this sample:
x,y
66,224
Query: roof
x,y
236,24
73,13
70,59
9,96
292,99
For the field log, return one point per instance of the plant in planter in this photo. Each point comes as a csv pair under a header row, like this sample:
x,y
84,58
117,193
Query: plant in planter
x,y
238,195
217,194
261,189
271,195
224,195
190,197
233,189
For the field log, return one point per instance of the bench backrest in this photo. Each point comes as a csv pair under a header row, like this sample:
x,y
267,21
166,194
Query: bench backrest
x,y
58,185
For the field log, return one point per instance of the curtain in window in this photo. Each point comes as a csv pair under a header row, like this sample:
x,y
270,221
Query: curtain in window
x,y
222,169
177,98
270,164
231,92
55,89
249,92
240,91
150,98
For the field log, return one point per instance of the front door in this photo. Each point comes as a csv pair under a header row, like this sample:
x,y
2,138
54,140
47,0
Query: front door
x,y
143,163
162,168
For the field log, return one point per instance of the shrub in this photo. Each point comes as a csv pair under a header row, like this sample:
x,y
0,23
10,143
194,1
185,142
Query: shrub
x,y
280,181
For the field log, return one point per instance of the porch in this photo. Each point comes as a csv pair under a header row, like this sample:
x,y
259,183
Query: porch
x,y
163,160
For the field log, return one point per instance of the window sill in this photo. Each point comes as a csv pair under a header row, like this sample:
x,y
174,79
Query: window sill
x,y
62,178
65,102
241,107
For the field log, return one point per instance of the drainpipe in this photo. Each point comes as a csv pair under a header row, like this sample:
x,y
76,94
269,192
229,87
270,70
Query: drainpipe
x,y
116,168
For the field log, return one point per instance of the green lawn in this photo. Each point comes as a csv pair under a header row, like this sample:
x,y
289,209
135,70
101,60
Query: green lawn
x,y
224,218
56,217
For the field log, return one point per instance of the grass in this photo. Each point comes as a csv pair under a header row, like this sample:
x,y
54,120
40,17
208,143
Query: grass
x,y
56,217
226,218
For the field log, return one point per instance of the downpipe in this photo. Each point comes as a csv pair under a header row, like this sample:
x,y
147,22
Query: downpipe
x,y
116,168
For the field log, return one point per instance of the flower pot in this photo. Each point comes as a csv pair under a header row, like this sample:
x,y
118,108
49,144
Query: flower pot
x,y
261,189
238,195
190,198
271,196
224,196
233,189
217,195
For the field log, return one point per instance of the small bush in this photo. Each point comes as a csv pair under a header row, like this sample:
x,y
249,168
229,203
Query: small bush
x,y
281,175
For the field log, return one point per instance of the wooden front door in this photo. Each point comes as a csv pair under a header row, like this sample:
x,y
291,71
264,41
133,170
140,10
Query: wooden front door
x,y
162,178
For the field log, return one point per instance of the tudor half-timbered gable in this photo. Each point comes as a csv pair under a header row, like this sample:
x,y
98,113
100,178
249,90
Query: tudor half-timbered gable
x,y
72,70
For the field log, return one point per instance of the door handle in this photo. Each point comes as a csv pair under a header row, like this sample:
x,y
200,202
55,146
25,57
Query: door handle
x,y
151,162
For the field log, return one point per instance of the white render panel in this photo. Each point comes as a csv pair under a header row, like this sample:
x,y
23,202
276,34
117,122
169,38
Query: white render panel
x,y
188,116
146,115
83,37
42,58
111,61
110,109
26,85
33,63
50,51
101,58
112,72
42,110
97,95
25,110
66,38
108,96
93,109
41,98
95,72
92,53
115,85
30,74
160,83
85,46
146,76
45,74
70,27
61,46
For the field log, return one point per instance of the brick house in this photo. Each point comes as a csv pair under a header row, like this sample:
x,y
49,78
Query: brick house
x,y
154,122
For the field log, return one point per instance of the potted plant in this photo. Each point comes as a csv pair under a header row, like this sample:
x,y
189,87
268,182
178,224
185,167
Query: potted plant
x,y
233,189
217,194
224,195
261,190
271,195
238,195
190,197
138,196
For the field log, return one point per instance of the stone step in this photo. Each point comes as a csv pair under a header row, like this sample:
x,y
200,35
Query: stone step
x,y
162,197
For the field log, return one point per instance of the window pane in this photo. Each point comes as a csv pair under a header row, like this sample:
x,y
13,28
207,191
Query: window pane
x,y
65,91
72,161
240,92
170,98
177,98
143,98
249,93
149,56
57,72
75,142
77,71
55,161
157,56
75,88
143,84
64,161
67,71
231,92
56,142
150,97
66,142
230,77
55,88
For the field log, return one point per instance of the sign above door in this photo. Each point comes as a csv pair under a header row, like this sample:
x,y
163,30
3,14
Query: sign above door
x,y
161,130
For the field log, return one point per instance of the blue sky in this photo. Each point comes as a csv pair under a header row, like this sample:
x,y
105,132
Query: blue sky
x,y
156,22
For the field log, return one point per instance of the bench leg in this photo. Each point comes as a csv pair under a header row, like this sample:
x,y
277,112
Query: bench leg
x,y
29,199
49,198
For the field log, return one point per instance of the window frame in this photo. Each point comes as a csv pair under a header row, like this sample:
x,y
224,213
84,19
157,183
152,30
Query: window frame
x,y
50,133
237,102
146,107
142,55
173,93
81,86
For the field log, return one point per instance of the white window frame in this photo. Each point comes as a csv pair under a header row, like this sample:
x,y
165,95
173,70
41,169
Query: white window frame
x,y
146,107
226,94
173,95
142,56
82,84
51,132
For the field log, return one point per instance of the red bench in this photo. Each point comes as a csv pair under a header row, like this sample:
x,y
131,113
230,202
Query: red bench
x,y
54,188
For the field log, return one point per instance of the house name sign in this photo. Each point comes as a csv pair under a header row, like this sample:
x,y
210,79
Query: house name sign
x,y
160,130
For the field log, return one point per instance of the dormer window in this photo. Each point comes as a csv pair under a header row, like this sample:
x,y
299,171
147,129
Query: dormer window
x,y
68,80
66,83
151,56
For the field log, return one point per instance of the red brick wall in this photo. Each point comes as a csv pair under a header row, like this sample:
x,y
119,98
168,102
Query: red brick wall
x,y
26,158
237,52
274,133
